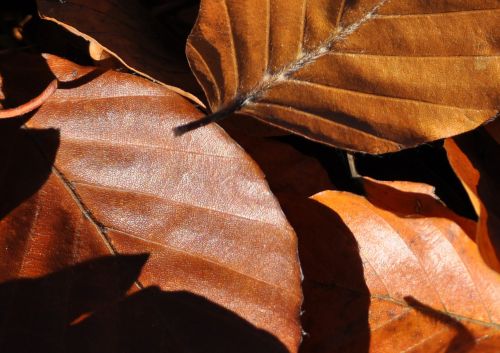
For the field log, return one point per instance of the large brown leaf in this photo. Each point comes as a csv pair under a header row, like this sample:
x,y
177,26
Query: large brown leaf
x,y
366,75
122,183
427,287
475,158
127,30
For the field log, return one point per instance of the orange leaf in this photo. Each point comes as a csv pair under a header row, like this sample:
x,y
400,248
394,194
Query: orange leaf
x,y
475,158
427,287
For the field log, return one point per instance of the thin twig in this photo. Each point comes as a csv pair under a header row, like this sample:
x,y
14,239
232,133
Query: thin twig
x,y
352,165
217,116
32,104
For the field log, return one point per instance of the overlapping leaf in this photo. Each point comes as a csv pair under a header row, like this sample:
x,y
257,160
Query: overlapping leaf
x,y
374,76
475,158
427,287
126,30
121,183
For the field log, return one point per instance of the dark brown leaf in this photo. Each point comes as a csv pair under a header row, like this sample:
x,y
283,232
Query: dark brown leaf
x,y
127,30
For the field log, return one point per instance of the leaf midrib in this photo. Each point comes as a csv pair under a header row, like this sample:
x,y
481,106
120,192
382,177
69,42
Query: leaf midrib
x,y
305,59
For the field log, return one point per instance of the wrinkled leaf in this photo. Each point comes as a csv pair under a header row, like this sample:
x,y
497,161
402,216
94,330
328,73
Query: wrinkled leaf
x,y
127,30
427,287
122,183
373,76
475,158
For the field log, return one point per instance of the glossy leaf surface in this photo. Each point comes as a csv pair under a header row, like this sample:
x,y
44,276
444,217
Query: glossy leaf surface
x,y
121,183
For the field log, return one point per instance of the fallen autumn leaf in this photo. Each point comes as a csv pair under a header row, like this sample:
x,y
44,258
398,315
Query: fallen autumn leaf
x,y
376,80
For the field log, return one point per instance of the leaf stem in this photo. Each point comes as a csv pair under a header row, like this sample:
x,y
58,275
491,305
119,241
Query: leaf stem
x,y
283,74
217,116
32,104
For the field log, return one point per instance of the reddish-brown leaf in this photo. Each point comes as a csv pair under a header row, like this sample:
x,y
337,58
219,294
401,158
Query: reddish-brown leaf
x,y
427,286
369,75
121,183
127,30
475,158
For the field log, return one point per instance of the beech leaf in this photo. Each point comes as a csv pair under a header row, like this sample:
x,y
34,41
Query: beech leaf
x,y
372,76
427,288
121,183
475,158
126,30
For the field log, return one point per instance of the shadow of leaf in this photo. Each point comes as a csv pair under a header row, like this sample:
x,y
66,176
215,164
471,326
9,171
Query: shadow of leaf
x,y
85,308
412,204
23,168
426,164
463,341
336,298
483,152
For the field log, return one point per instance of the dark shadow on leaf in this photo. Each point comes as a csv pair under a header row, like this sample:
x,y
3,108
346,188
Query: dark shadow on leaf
x,y
175,18
23,168
425,164
24,76
80,81
333,160
484,154
336,298
413,205
86,309
36,312
462,342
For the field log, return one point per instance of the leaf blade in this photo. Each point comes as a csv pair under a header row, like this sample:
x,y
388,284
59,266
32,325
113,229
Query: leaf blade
x,y
376,49
417,250
123,183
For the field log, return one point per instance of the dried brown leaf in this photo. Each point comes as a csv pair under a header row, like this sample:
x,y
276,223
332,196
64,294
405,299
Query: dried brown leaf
x,y
373,76
127,31
121,183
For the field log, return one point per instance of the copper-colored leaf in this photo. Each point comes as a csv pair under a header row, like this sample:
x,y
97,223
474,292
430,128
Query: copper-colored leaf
x,y
427,286
367,75
122,183
475,158
126,30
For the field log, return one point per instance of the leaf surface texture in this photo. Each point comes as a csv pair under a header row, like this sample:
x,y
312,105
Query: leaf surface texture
x,y
121,183
428,288
373,76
